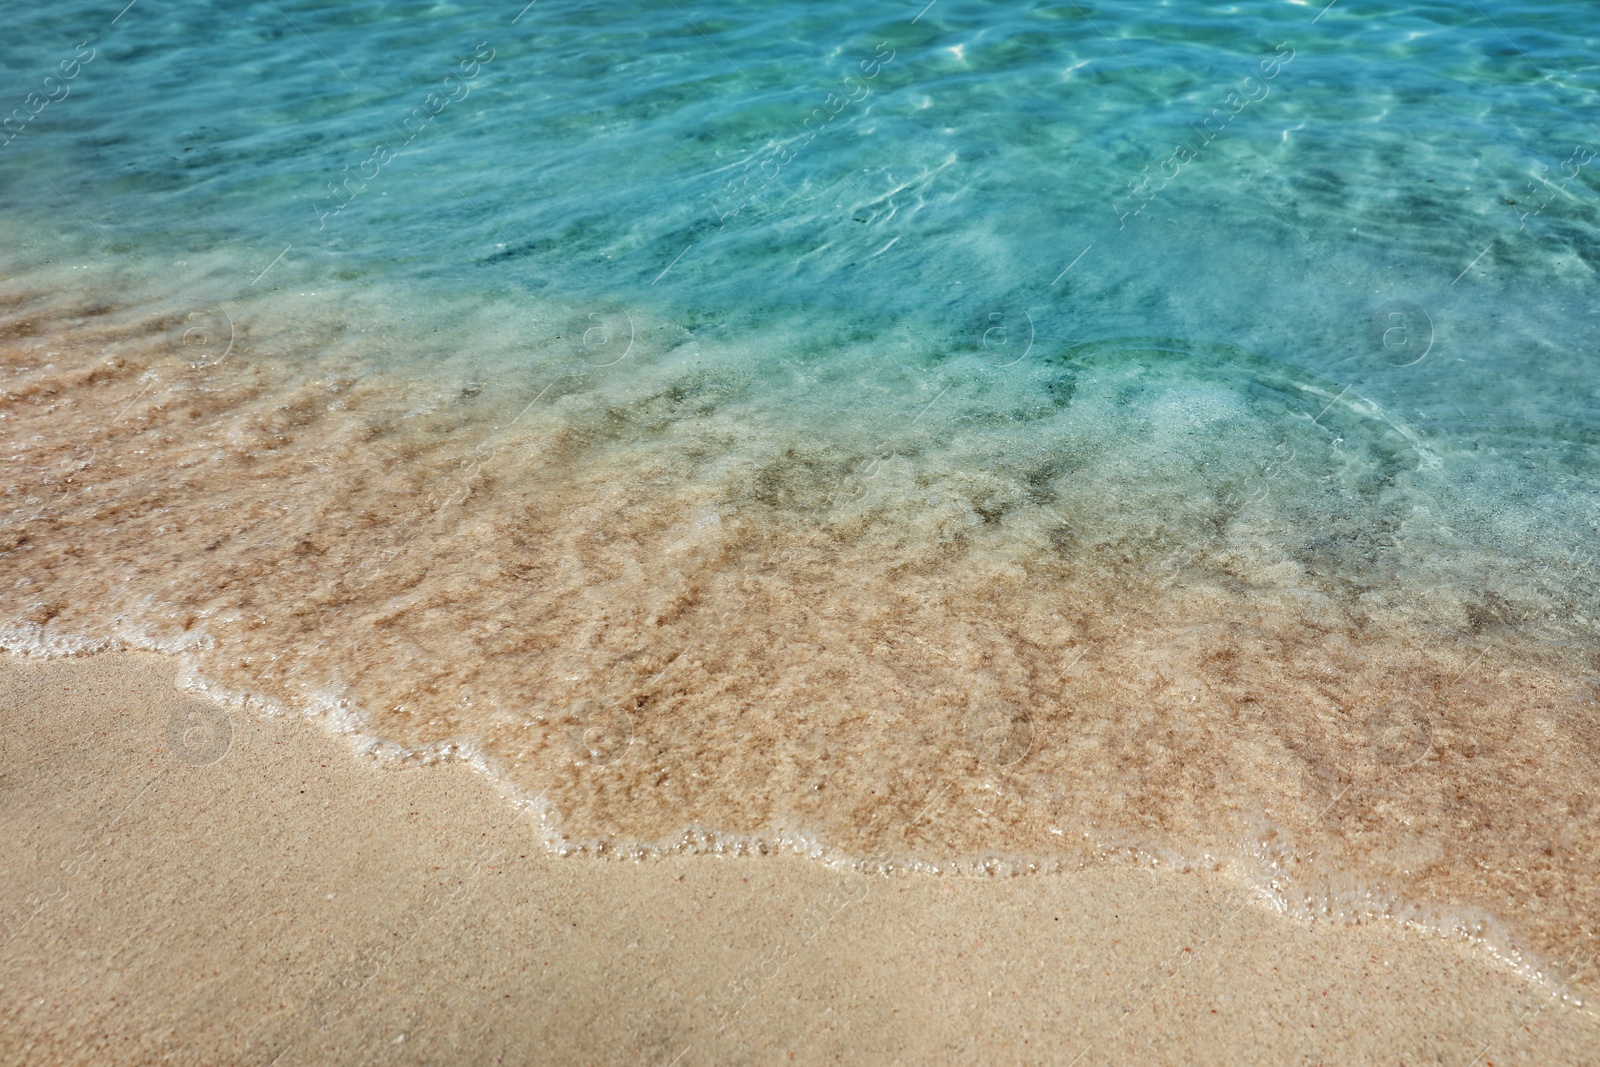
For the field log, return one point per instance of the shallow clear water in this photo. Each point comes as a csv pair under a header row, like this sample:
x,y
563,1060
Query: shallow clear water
x,y
976,436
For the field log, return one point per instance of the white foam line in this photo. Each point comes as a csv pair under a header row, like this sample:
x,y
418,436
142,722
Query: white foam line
x,y
341,718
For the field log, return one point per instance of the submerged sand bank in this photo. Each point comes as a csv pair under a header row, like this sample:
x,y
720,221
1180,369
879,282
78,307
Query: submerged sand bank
x,y
290,902
654,596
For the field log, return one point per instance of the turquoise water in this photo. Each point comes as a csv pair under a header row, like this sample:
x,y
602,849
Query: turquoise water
x,y
742,425
987,149
1272,179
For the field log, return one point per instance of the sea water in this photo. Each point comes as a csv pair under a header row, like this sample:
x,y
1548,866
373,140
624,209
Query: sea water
x,y
967,436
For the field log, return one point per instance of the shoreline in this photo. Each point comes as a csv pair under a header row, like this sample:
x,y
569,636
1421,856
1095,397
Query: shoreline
x,y
928,674
278,898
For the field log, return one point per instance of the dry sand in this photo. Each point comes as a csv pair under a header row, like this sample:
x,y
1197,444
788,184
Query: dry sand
x,y
291,902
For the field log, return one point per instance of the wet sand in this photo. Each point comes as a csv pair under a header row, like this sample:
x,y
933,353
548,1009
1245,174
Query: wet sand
x,y
658,607
183,884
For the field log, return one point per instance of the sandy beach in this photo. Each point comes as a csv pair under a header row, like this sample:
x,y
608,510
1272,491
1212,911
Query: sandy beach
x,y
811,532
187,885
